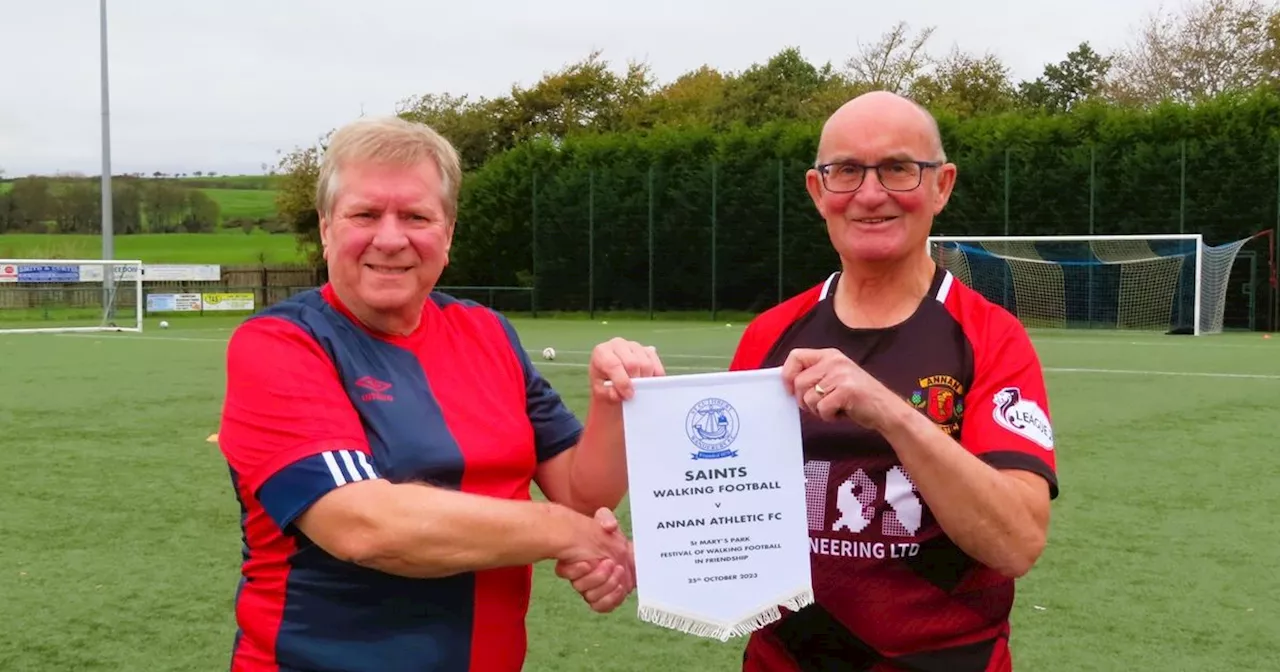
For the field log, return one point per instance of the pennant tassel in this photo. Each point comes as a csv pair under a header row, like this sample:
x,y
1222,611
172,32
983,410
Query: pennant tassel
x,y
701,628
682,623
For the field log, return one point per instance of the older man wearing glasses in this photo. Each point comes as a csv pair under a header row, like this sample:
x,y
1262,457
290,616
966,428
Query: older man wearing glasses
x,y
929,454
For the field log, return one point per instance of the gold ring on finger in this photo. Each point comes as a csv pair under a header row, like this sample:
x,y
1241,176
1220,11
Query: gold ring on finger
x,y
818,388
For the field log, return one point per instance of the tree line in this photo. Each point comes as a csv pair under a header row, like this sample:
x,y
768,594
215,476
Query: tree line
x,y
1213,47
567,179
74,205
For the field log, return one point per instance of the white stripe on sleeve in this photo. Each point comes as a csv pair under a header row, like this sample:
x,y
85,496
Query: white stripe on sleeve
x,y
364,464
351,466
338,477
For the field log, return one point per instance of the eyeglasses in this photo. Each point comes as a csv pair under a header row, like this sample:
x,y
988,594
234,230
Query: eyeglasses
x,y
846,176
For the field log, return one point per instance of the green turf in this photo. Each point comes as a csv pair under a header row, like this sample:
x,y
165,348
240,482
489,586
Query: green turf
x,y
227,247
244,203
265,182
121,545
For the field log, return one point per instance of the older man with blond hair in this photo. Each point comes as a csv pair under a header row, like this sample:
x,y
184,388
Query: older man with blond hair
x,y
382,438
929,456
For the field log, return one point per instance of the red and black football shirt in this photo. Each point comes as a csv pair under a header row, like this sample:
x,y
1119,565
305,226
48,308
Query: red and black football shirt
x,y
892,591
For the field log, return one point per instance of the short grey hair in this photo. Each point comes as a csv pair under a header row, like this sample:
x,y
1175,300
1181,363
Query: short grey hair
x,y
388,140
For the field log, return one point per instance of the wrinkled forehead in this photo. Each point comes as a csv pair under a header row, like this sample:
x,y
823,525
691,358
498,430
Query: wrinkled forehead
x,y
387,181
867,139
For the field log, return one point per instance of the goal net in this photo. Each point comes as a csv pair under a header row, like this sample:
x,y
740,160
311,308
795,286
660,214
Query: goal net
x,y
70,295
1170,283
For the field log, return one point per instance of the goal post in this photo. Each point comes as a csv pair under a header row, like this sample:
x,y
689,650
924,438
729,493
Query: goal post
x,y
70,295
1172,283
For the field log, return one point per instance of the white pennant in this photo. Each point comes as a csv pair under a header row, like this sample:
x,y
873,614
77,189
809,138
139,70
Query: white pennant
x,y
717,493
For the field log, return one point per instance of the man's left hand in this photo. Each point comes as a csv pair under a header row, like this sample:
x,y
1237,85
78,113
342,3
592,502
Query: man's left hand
x,y
615,363
830,385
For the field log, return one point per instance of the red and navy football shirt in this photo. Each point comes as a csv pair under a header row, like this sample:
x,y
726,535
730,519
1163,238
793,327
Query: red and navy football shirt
x,y
315,401
892,591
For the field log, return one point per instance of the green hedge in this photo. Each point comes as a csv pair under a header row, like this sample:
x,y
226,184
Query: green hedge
x,y
596,200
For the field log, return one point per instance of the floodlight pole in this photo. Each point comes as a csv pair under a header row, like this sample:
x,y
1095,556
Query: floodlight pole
x,y
108,225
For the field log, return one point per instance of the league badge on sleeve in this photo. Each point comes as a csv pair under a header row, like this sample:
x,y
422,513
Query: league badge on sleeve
x,y
1023,417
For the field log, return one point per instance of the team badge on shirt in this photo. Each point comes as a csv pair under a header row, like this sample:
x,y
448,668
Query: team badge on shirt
x,y
941,397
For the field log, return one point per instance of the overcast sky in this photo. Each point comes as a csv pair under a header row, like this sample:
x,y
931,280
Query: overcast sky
x,y
224,85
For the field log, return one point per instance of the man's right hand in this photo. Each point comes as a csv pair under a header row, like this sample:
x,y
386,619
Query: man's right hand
x,y
600,564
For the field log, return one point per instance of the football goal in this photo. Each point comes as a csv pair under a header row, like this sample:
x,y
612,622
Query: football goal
x,y
70,295
1172,283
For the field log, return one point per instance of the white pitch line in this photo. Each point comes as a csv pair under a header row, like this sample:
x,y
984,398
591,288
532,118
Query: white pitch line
x,y
1118,372
1125,372
580,365
673,330
135,337
660,354
1050,340
1194,374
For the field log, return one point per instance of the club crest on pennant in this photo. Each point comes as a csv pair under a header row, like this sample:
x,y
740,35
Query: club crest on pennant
x,y
712,426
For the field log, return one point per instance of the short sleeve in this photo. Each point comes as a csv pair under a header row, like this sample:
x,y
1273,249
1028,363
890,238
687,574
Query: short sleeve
x,y
757,339
1006,418
747,355
288,431
555,427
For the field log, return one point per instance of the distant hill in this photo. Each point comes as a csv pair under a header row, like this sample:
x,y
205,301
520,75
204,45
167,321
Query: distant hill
x,y
155,203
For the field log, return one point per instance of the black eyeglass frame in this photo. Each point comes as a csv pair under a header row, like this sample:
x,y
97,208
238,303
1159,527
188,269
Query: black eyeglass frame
x,y
824,167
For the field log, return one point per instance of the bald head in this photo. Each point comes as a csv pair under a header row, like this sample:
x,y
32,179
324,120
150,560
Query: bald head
x,y
889,114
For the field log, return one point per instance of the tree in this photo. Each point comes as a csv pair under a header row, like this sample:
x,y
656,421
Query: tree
x,y
126,207
1067,83
474,127
694,98
585,96
295,195
785,87
966,84
32,199
1218,46
579,97
202,212
893,63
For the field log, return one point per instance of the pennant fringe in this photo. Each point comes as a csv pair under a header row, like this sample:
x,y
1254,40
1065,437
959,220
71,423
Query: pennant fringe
x,y
700,628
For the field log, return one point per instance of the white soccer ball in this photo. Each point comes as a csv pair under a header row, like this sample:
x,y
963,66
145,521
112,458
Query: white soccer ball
x,y
164,324
548,353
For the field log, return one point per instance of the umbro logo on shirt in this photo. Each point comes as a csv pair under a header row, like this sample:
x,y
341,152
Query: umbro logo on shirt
x,y
377,389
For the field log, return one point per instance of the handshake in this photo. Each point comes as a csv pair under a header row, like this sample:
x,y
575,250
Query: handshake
x,y
599,562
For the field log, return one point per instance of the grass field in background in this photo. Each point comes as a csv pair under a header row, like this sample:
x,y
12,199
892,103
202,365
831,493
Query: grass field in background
x,y
243,203
122,548
227,247
238,196
265,182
